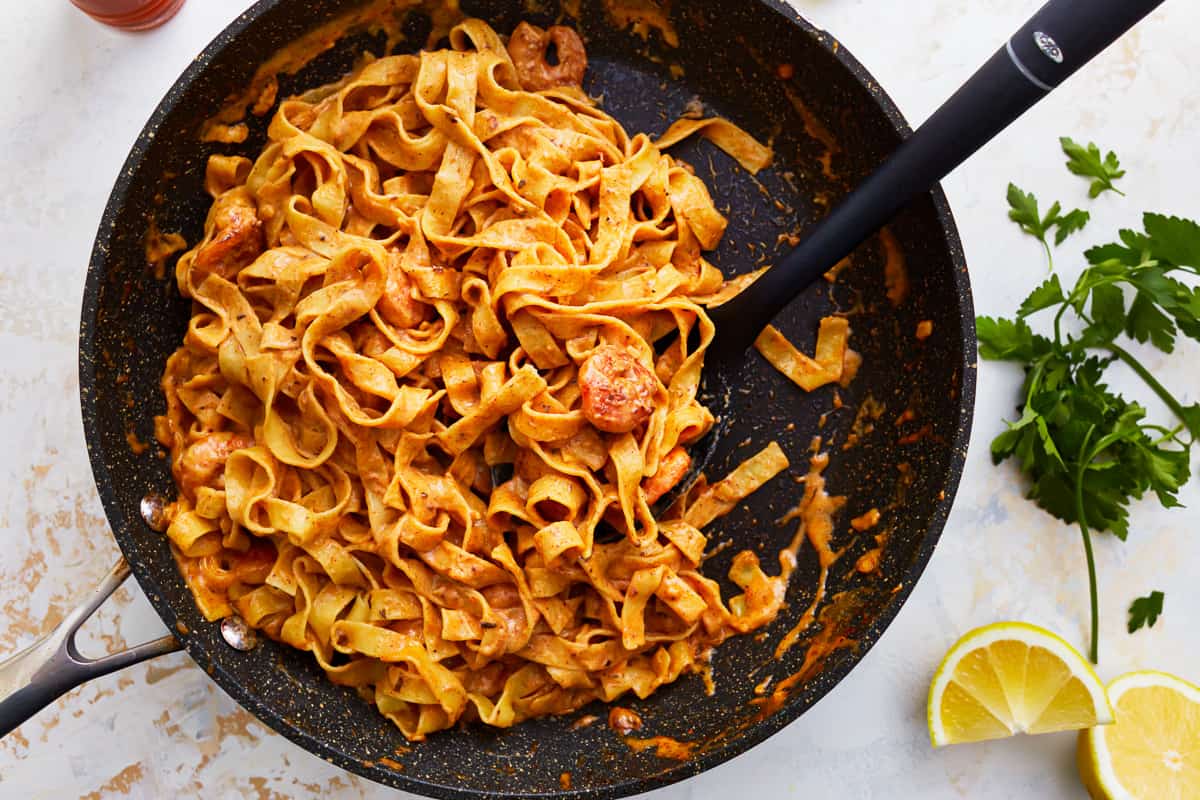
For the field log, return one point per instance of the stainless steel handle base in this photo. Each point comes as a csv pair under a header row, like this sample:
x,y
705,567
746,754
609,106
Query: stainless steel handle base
x,y
39,674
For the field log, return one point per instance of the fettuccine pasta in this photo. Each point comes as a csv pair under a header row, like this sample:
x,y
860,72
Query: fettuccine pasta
x,y
833,361
418,421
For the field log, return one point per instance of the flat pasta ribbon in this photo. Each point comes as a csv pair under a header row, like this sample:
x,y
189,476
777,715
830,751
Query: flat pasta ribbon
x,y
418,420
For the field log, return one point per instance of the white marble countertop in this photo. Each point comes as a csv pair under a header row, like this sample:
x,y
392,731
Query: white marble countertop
x,y
74,99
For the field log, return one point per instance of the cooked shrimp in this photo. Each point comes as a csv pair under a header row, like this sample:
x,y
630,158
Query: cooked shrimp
x,y
203,463
624,720
527,47
255,564
671,469
236,238
398,305
223,569
617,390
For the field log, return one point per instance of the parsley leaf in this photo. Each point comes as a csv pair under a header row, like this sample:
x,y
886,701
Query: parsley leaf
x,y
1086,161
1191,418
1087,452
1147,323
1144,611
1108,313
1008,340
1049,293
1023,210
1069,223
1173,239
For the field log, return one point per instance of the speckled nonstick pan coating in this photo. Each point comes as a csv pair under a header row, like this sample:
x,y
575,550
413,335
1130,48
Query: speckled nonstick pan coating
x,y
729,51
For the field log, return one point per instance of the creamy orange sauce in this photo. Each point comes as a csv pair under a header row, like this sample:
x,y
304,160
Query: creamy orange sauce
x,y
663,746
221,133
924,330
585,721
869,561
923,432
642,17
813,126
806,619
815,512
386,16
866,521
816,129
836,619
193,575
825,643
772,703
851,361
564,781
391,763
869,412
160,246
895,268
706,675
135,444
908,415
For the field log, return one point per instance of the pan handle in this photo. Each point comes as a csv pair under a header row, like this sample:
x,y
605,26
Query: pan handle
x,y
39,674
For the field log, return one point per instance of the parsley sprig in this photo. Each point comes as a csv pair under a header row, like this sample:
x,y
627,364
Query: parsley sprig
x,y
1023,210
1087,451
1086,162
1144,611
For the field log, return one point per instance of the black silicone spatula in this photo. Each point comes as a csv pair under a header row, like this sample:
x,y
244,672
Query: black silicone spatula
x,y
1059,39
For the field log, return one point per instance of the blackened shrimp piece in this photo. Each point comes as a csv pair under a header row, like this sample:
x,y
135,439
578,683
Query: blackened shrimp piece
x,y
236,238
527,48
617,390
203,462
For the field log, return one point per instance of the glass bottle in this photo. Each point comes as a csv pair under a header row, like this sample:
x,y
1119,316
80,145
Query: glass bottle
x,y
130,15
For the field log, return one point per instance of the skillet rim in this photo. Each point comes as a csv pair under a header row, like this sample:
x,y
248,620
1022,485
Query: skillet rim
x,y
796,705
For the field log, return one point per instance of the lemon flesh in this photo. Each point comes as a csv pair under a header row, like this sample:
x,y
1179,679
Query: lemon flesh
x,y
1153,750
1012,677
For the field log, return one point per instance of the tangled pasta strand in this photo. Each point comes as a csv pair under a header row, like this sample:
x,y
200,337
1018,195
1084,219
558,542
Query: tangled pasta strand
x,y
418,419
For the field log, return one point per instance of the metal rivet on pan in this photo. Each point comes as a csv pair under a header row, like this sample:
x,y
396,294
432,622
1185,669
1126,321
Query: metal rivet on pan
x,y
237,634
154,511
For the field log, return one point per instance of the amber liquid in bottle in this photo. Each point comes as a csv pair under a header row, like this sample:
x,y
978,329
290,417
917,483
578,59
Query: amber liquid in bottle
x,y
130,15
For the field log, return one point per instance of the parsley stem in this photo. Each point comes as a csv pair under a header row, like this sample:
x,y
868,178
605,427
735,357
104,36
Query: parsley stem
x,y
1085,458
1168,435
1058,319
1151,381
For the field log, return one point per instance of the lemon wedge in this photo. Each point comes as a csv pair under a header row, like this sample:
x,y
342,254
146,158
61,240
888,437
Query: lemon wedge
x,y
1153,750
1010,678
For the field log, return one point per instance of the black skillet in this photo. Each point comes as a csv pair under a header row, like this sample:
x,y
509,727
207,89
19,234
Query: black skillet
x,y
756,63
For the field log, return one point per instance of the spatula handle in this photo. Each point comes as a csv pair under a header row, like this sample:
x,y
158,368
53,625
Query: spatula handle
x,y
1058,40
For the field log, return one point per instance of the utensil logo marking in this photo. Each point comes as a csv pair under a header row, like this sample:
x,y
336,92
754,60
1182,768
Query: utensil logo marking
x,y
1048,46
